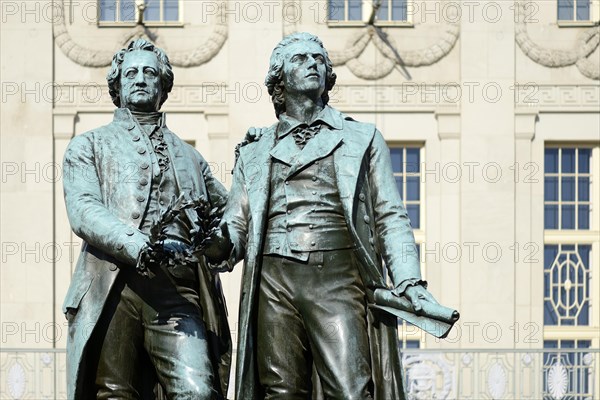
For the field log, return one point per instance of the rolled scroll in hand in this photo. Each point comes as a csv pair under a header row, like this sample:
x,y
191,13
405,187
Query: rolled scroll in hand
x,y
434,319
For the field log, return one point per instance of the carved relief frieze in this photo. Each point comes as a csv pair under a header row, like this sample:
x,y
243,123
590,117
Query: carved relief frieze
x,y
92,57
390,98
579,54
551,97
95,96
383,40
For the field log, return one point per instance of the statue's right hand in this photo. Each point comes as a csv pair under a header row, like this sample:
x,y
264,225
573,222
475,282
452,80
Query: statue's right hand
x,y
174,246
218,245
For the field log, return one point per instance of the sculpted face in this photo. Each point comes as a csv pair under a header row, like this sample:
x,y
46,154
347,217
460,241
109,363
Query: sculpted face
x,y
304,70
140,81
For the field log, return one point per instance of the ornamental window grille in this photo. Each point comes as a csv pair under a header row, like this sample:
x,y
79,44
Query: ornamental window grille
x,y
568,373
567,278
570,269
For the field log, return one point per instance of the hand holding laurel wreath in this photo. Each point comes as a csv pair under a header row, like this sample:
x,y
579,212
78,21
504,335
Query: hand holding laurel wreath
x,y
176,255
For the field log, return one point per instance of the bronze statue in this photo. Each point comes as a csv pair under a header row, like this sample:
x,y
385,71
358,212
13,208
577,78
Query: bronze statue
x,y
315,213
129,330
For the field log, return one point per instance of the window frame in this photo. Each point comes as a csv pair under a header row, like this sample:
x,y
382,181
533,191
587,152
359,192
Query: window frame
x,y
579,237
122,24
418,232
405,333
367,7
594,16
577,202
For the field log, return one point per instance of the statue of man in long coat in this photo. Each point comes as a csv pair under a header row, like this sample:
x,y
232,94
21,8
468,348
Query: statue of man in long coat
x,y
128,331
315,213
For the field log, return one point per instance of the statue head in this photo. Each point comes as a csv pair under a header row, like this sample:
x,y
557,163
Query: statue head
x,y
140,77
283,53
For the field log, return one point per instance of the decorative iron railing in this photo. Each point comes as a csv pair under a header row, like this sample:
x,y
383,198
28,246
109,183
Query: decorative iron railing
x,y
549,374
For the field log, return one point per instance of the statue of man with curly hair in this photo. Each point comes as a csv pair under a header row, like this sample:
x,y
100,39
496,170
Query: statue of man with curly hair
x,y
130,333
315,213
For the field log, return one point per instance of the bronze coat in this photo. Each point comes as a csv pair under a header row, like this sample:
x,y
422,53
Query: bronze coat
x,y
107,173
377,222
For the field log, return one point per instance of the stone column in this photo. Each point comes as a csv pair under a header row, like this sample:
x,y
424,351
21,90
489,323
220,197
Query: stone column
x,y
487,145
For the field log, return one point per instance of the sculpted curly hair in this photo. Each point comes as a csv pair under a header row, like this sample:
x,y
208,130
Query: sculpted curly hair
x,y
274,78
165,70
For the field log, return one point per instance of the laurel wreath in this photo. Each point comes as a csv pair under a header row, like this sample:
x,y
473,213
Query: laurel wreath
x,y
205,221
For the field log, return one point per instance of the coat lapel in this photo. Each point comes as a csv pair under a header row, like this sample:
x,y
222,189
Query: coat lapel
x,y
318,147
181,166
286,150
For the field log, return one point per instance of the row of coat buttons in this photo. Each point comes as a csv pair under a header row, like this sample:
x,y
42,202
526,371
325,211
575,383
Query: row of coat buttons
x,y
314,178
141,150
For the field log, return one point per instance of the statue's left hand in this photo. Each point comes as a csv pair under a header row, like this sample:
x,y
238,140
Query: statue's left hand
x,y
417,294
254,134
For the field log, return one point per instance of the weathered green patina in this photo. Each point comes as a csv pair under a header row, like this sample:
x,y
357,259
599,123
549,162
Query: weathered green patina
x,y
127,331
315,213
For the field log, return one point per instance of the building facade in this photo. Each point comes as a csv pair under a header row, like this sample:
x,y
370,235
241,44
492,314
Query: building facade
x,y
491,110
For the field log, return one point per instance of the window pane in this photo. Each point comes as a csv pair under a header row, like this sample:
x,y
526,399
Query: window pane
x,y
551,188
565,10
336,10
584,252
550,317
583,278
127,10
399,181
551,279
412,188
399,10
584,160
583,10
568,217
412,160
171,10
584,344
583,217
382,14
413,214
551,160
568,189
354,10
550,253
152,12
108,10
396,155
568,161
584,189
550,217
